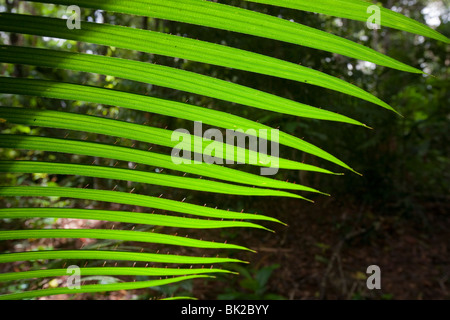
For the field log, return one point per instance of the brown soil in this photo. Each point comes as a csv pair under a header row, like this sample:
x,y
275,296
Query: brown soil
x,y
325,252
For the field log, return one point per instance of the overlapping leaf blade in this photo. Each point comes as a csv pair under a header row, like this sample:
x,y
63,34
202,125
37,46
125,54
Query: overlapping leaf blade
x,y
132,131
144,157
97,288
166,77
131,199
235,19
112,255
109,271
137,176
125,217
358,10
121,235
68,91
180,47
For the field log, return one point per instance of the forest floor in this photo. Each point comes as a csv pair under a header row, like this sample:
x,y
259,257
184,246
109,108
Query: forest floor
x,y
325,251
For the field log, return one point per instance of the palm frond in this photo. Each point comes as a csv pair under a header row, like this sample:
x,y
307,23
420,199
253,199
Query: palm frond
x,y
211,178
